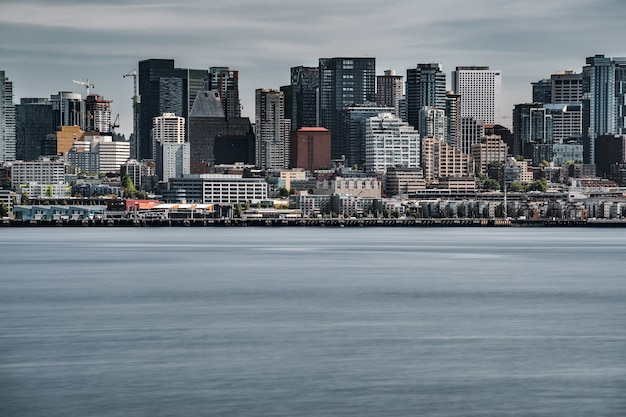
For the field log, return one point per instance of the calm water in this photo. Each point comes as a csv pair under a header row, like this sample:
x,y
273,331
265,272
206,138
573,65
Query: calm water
x,y
312,322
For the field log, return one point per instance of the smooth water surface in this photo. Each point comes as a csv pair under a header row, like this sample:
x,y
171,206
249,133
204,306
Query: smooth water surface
x,y
312,322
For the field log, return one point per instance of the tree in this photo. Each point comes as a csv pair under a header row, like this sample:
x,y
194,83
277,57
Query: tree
x,y
4,209
129,187
544,164
519,158
491,184
516,187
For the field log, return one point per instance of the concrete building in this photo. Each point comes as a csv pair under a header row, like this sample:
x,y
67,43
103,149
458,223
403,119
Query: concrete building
x,y
344,81
490,149
433,123
112,155
389,90
7,120
310,148
172,152
566,87
471,132
272,130
41,172
219,189
390,142
403,181
517,171
362,187
441,160
454,134
480,89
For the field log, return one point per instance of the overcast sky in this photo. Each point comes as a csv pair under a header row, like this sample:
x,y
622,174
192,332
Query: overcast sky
x,y
48,43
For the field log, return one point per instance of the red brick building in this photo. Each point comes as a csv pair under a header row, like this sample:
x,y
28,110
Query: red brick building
x,y
310,148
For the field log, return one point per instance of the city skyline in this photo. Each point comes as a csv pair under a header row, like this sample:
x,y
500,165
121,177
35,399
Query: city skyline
x,y
54,42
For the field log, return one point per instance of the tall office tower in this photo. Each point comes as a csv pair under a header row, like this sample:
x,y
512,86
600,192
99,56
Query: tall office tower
x,y
433,123
34,120
272,130
343,82
471,132
97,114
164,89
7,119
69,109
542,91
389,90
603,100
425,86
532,126
390,142
226,82
566,87
480,89
354,129
171,150
453,118
303,109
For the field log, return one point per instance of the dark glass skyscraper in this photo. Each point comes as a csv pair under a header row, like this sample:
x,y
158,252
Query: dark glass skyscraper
x,y
34,120
304,83
425,86
343,82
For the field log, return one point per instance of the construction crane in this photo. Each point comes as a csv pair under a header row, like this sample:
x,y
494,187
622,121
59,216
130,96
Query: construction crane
x,y
115,124
136,101
86,84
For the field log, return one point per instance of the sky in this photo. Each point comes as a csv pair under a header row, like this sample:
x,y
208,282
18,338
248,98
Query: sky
x,y
48,43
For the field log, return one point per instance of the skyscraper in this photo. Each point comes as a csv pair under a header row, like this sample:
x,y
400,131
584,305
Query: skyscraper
x,y
425,87
480,89
304,84
98,114
389,90
272,130
168,134
532,126
226,82
343,82
354,129
34,120
164,89
390,142
7,119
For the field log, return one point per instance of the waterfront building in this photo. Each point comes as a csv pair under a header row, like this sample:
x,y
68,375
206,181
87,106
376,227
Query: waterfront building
x,y
219,188
7,119
441,160
354,130
389,90
362,187
480,89
310,148
403,181
272,130
343,82
34,120
390,142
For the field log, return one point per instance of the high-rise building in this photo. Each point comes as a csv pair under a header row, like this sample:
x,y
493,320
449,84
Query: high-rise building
x,y
490,149
164,89
471,132
303,107
7,119
226,82
480,89
354,129
604,104
425,86
453,118
343,82
542,91
433,123
34,120
566,87
440,160
390,90
98,114
69,109
272,130
390,142
532,125
171,150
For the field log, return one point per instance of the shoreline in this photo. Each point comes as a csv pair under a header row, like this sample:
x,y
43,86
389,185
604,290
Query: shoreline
x,y
119,222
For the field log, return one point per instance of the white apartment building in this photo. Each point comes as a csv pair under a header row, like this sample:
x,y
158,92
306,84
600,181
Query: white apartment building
x,y
220,188
171,152
40,172
390,142
112,155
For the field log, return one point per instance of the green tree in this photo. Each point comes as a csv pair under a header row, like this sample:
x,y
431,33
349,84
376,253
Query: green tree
x,y
4,209
129,187
491,184
544,164
516,187
519,158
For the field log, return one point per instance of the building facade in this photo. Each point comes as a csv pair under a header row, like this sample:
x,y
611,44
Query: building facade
x,y
272,130
480,89
390,142
34,120
7,119
425,87
310,148
389,90
441,160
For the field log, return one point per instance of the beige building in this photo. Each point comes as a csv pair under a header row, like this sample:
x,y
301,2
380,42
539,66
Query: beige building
x,y
440,159
403,181
66,138
490,149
